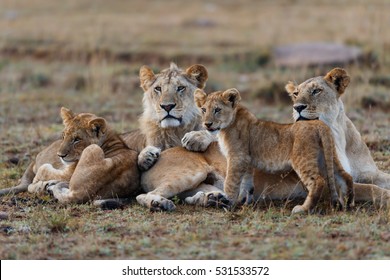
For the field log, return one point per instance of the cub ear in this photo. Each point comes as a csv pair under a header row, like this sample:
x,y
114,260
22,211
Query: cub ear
x,y
98,126
198,74
231,96
146,77
66,115
200,97
339,78
291,87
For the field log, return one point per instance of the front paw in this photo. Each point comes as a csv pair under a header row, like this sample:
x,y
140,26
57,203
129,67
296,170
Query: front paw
x,y
148,157
217,199
197,141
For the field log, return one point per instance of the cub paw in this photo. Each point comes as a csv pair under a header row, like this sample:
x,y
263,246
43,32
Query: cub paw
x,y
299,209
217,199
148,157
54,185
162,204
197,141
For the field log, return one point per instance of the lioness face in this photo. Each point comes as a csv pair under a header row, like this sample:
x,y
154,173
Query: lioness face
x,y
81,130
318,98
169,95
218,108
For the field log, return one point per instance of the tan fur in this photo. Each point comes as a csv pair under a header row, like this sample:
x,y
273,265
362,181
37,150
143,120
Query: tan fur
x,y
325,104
278,185
204,173
251,143
170,117
95,162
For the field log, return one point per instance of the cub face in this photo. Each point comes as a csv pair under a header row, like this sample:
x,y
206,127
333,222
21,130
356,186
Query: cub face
x,y
317,98
81,130
217,108
169,95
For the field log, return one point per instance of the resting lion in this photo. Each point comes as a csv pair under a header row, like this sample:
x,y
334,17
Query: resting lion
x,y
247,143
170,118
281,185
170,115
92,162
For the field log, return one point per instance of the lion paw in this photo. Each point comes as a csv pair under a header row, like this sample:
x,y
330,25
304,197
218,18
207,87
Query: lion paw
x,y
155,202
148,157
217,199
162,205
197,141
210,199
298,209
53,186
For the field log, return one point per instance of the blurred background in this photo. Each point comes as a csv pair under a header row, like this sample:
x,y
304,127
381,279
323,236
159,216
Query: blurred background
x,y
86,54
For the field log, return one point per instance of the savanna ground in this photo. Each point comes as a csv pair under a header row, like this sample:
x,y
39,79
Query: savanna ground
x,y
85,55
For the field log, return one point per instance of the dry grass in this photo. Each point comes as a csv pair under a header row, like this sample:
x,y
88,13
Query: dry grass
x,y
85,55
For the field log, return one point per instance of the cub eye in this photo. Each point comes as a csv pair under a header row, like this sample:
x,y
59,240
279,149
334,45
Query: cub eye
x,y
181,88
216,110
157,89
203,110
316,91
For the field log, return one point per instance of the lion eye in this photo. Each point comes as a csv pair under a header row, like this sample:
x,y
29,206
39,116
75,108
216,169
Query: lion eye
x,y
203,110
216,110
295,93
157,89
76,139
181,89
316,91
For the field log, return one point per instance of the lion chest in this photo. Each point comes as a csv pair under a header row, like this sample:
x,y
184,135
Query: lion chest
x,y
223,145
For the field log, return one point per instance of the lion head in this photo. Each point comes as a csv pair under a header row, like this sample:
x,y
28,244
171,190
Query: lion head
x,y
169,95
218,108
319,97
81,130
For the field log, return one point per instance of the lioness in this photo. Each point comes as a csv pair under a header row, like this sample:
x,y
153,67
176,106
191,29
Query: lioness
x,y
92,162
319,98
249,143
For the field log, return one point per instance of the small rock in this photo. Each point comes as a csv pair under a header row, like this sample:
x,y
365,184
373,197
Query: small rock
x,y
315,54
4,216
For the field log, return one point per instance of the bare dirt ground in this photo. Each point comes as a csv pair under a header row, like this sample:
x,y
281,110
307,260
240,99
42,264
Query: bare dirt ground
x,y
85,55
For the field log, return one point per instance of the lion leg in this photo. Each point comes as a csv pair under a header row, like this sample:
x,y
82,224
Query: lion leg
x,y
315,186
372,193
158,198
26,180
236,170
247,189
85,180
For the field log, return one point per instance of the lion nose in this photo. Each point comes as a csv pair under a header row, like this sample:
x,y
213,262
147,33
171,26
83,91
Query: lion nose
x,y
208,124
61,155
300,108
168,107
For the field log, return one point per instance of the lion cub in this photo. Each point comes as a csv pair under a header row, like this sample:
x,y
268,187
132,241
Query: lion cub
x,y
247,142
92,162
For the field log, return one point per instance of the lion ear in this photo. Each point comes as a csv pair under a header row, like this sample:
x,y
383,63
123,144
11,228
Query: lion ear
x,y
291,87
66,115
199,74
231,96
146,77
339,78
200,97
98,126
